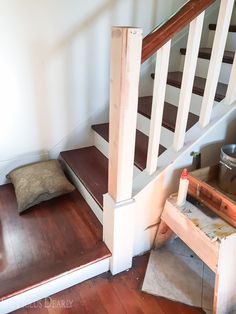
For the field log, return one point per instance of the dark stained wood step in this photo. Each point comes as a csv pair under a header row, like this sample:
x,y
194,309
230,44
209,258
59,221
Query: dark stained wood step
x,y
205,53
169,114
53,238
141,145
91,167
232,28
119,294
175,79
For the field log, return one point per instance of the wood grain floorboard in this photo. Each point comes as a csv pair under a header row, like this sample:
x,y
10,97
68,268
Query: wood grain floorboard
x,y
169,113
53,237
107,294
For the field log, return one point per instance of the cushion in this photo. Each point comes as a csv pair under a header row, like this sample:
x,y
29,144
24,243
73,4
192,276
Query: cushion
x,y
38,182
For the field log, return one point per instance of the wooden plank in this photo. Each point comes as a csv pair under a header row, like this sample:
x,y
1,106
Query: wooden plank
x,y
192,235
141,144
222,27
91,167
175,79
205,53
225,292
124,81
169,114
190,64
232,28
158,100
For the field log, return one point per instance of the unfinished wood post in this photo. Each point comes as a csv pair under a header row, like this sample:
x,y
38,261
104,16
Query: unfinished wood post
x,y
124,80
225,281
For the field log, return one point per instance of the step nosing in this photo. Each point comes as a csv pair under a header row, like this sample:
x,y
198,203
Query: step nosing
x,y
55,277
206,55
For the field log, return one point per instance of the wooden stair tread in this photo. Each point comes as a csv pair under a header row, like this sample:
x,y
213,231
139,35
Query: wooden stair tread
x,y
175,79
232,28
141,145
56,237
169,114
91,167
205,53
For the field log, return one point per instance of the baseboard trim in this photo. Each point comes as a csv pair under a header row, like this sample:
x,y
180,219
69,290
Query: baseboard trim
x,y
8,165
53,286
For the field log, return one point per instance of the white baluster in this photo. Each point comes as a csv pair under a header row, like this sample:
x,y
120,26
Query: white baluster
x,y
221,33
190,64
231,91
159,90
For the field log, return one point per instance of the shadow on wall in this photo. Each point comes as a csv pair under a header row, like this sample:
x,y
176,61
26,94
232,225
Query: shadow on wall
x,y
72,82
70,78
67,87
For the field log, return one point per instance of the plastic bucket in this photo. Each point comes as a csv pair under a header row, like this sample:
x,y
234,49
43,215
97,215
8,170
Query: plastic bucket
x,y
227,174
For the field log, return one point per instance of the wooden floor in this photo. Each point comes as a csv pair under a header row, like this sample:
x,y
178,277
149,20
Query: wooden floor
x,y
112,295
54,237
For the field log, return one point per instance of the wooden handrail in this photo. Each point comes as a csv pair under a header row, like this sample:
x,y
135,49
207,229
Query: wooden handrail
x,y
157,38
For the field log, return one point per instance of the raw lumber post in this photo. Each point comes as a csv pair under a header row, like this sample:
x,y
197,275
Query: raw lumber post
x,y
118,218
124,82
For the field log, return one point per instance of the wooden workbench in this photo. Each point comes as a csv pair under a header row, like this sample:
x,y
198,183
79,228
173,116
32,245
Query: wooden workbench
x,y
214,241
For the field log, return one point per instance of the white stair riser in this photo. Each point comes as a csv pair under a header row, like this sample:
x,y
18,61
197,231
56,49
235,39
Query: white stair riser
x,y
172,96
143,125
53,286
102,145
231,40
202,69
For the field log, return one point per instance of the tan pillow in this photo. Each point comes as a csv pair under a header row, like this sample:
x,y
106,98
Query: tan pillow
x,y
38,182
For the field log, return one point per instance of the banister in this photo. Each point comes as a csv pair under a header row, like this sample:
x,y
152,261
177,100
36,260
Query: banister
x,y
157,38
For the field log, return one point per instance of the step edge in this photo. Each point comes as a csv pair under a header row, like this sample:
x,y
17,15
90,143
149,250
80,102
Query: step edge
x,y
54,285
207,56
93,203
177,84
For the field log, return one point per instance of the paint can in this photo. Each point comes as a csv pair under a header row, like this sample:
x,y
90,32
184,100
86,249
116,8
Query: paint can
x,y
227,173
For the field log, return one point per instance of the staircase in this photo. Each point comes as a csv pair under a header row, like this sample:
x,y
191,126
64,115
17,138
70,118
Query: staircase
x,y
89,166
136,157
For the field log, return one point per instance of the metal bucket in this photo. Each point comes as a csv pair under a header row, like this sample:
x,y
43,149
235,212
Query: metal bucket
x,y
227,173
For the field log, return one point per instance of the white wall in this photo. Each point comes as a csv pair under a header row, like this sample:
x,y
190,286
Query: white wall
x,y
54,62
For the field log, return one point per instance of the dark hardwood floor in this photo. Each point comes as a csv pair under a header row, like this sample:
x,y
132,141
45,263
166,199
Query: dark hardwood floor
x,y
119,294
54,237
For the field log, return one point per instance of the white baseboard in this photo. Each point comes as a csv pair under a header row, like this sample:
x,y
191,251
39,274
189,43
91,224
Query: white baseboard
x,y
8,165
53,286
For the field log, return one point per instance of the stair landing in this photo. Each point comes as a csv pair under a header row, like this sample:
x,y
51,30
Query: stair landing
x,y
53,239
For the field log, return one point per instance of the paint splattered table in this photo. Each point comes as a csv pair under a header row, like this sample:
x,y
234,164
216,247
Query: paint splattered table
x,y
213,240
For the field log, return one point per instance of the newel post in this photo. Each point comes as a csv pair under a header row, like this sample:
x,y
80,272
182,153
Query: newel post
x,y
118,214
